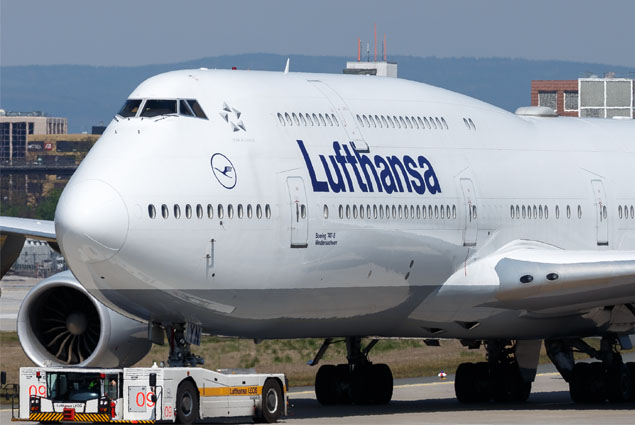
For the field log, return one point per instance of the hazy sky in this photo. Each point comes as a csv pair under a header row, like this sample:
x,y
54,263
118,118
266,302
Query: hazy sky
x,y
136,32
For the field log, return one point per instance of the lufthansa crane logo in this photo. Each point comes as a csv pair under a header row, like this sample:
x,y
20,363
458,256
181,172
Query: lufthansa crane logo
x,y
224,170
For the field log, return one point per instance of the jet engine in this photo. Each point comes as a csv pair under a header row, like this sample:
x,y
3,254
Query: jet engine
x,y
60,323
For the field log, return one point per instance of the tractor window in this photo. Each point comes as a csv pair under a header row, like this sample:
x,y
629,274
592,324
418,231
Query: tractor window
x,y
78,387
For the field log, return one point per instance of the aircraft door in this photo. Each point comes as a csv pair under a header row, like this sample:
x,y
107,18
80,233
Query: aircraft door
x,y
601,212
299,212
471,213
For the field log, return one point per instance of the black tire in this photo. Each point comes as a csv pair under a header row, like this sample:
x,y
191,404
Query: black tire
x,y
464,383
631,369
187,410
508,385
325,383
383,384
272,402
620,386
597,383
578,383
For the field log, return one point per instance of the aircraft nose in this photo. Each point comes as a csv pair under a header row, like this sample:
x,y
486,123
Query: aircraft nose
x,y
91,221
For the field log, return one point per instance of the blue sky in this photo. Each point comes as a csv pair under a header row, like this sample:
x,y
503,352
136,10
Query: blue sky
x,y
117,32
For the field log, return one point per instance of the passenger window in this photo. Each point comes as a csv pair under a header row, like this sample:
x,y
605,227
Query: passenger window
x,y
405,211
184,109
220,211
604,212
557,211
328,120
430,212
308,118
445,124
414,122
412,211
579,211
249,211
436,211
188,211
394,212
517,212
568,211
392,124
511,212
152,212
442,212
210,211
427,122
315,119
348,211
130,108
408,122
540,211
378,121
359,120
372,121
165,211
368,211
421,124
196,108
467,124
381,212
302,120
288,118
326,211
535,212
354,211
433,123
230,211
524,212
418,211
361,211
375,211
383,120
240,210
454,211
365,121
177,211
632,211
281,119
267,211
341,211
295,119
258,211
303,211
447,211
619,211
472,124
438,123
403,124
337,123
322,120
156,107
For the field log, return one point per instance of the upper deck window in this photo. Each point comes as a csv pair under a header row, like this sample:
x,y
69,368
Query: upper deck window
x,y
130,108
155,107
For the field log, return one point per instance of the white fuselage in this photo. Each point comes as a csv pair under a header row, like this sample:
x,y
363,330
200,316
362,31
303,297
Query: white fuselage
x,y
302,255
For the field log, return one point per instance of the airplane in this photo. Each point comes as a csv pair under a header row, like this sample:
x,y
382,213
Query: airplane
x,y
356,206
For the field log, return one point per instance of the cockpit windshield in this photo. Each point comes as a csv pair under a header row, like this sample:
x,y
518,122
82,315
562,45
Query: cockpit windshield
x,y
130,108
155,107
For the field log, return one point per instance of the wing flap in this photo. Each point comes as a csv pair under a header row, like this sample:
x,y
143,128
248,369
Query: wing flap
x,y
14,231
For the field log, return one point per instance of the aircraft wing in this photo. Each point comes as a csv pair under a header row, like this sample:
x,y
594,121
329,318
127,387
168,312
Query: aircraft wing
x,y
538,277
13,232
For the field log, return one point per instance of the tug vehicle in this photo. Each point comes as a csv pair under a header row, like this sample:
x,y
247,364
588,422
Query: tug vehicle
x,y
147,395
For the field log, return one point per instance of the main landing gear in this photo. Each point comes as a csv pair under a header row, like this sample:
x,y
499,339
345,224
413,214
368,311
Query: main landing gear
x,y
506,376
608,379
359,381
180,338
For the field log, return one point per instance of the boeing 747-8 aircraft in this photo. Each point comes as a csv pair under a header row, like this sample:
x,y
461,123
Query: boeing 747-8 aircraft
x,y
291,205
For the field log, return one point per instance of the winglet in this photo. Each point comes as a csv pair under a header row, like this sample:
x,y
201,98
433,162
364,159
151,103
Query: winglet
x,y
286,68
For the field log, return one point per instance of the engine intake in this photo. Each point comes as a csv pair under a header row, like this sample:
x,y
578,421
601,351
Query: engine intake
x,y
60,323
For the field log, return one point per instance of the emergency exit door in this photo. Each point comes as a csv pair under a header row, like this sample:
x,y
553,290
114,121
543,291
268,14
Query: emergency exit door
x,y
299,212
601,212
471,213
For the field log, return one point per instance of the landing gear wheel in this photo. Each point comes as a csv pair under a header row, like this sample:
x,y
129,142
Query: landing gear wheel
x,y
471,384
508,385
631,368
325,385
383,384
588,383
272,402
186,403
619,383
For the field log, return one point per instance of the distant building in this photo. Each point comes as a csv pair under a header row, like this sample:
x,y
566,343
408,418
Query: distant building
x,y
15,127
586,97
98,129
379,68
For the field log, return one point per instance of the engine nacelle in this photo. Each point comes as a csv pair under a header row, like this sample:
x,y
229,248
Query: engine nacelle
x,y
60,323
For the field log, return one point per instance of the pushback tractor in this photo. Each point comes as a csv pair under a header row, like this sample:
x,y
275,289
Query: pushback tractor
x,y
147,395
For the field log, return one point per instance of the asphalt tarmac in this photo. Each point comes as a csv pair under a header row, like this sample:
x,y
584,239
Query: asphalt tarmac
x,y
432,401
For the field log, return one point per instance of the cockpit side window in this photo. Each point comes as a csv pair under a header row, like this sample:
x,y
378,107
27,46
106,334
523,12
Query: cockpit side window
x,y
155,107
130,108
196,108
184,109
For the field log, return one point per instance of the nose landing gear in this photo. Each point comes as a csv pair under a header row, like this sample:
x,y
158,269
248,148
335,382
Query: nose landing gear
x,y
359,381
